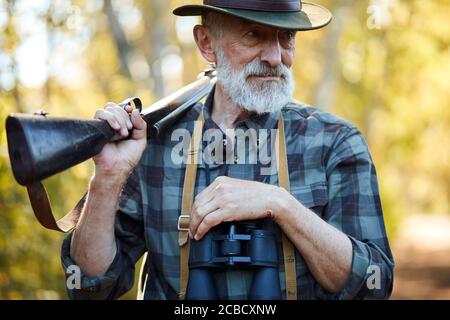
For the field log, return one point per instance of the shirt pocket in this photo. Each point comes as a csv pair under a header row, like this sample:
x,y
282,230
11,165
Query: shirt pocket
x,y
313,196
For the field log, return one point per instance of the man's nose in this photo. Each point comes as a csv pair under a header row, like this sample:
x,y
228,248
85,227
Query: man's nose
x,y
271,53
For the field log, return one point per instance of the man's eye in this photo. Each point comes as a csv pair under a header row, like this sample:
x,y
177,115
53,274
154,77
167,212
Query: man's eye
x,y
289,35
252,34
287,39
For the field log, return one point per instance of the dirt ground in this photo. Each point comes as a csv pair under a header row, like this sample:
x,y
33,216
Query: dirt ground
x,y
422,255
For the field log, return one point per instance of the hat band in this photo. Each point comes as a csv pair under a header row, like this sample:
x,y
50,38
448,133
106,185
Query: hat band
x,y
258,5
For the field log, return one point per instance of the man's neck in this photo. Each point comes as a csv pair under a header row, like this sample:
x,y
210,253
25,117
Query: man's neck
x,y
225,113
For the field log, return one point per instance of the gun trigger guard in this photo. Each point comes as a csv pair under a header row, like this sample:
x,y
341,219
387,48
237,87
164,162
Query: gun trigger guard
x,y
136,102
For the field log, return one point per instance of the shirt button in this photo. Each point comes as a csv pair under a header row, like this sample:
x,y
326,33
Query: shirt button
x,y
236,159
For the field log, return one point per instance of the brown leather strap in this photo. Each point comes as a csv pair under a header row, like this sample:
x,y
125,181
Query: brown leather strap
x,y
143,275
283,179
43,210
187,200
258,5
188,197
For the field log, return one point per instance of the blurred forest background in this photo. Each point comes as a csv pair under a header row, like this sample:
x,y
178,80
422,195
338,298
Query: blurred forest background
x,y
382,64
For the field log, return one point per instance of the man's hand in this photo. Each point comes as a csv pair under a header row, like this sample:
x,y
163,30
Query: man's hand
x,y
93,246
228,199
119,158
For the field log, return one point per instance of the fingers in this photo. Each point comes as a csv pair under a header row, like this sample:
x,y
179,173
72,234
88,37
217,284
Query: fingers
x,y
110,118
139,125
199,212
228,199
128,108
121,121
207,201
211,220
216,186
122,117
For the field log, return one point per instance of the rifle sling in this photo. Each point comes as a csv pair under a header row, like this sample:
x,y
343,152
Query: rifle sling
x,y
43,210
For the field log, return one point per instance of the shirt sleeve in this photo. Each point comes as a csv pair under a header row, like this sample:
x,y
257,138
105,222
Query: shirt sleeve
x,y
354,207
129,234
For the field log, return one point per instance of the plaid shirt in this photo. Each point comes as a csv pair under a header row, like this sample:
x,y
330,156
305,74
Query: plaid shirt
x,y
331,172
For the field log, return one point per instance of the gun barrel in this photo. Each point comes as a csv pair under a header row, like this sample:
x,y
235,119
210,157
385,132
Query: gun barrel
x,y
165,112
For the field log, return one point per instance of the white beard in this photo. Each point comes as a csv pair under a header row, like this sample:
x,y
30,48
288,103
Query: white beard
x,y
251,94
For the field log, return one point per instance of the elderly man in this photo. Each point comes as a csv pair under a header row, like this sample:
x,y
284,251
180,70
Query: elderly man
x,y
325,213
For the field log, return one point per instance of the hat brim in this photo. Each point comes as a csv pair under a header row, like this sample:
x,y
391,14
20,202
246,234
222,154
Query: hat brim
x,y
312,16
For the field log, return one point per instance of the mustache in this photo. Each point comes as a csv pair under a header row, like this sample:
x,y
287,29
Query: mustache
x,y
253,96
257,68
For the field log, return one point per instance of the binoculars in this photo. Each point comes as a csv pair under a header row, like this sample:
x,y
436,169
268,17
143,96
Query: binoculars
x,y
234,245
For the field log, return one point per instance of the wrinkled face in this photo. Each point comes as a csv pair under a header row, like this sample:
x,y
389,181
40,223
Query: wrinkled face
x,y
253,64
244,41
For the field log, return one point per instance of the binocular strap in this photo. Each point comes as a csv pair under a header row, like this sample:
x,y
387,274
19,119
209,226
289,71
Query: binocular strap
x,y
187,200
290,271
188,197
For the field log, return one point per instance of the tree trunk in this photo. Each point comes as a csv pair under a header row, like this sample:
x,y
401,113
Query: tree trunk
x,y
123,47
155,13
326,90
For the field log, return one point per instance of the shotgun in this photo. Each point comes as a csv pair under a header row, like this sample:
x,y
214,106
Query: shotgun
x,y
40,146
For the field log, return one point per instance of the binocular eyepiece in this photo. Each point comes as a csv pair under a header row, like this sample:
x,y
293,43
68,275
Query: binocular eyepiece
x,y
234,245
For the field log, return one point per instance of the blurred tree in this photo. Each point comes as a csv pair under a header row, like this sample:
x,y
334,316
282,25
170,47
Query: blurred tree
x,y
123,47
326,88
155,39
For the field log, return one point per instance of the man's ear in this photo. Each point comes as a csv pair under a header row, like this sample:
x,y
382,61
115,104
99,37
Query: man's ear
x,y
204,40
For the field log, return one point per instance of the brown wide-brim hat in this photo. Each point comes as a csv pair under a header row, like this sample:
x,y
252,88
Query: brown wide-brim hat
x,y
284,14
